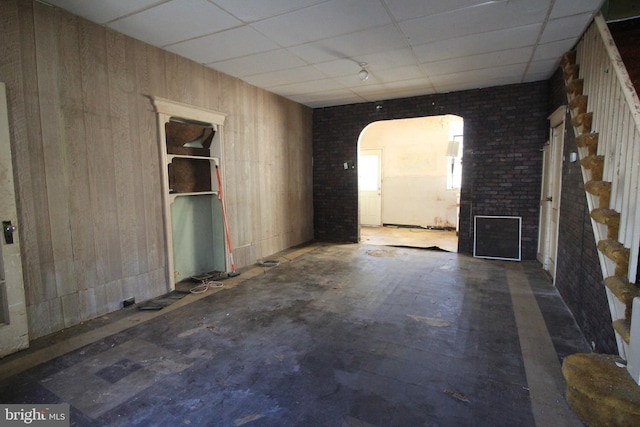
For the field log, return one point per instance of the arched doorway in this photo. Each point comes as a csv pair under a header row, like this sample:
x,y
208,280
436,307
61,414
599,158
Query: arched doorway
x,y
409,174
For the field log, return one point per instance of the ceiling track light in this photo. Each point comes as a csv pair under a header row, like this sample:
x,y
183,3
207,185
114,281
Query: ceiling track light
x,y
363,74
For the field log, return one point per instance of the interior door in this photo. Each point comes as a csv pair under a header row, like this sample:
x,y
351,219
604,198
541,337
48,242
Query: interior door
x,y
370,187
14,334
550,194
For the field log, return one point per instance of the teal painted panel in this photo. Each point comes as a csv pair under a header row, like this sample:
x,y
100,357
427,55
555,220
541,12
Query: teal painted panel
x,y
198,235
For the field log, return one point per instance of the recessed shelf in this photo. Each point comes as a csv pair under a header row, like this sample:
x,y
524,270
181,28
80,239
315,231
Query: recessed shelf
x,y
170,158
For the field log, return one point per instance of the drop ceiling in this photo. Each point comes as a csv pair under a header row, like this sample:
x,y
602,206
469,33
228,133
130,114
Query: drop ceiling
x,y
310,50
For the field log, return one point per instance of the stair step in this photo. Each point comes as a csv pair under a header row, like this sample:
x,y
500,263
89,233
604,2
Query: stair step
x,y
575,87
595,164
588,140
578,104
602,189
623,328
608,217
624,291
599,391
568,58
617,253
570,71
583,122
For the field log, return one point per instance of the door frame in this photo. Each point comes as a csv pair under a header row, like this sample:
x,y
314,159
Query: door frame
x,y
379,153
14,325
551,191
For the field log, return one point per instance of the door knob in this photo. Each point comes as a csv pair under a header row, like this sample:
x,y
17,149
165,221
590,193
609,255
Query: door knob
x,y
8,230
549,199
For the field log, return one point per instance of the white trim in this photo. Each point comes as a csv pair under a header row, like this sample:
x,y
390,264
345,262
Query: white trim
x,y
165,110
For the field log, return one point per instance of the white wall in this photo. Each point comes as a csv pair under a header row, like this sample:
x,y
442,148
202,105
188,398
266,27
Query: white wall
x,y
414,170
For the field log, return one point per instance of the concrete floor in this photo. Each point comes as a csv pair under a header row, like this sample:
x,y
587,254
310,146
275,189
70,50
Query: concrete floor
x,y
336,335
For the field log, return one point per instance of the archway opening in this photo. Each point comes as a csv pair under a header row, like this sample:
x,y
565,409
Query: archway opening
x,y
409,179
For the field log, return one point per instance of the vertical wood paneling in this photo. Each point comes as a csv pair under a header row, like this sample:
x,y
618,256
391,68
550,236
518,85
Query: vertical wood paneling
x,y
75,142
89,170
121,85
47,57
139,106
17,71
101,161
151,168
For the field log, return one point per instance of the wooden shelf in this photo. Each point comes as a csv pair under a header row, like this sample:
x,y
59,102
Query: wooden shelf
x,y
172,196
170,158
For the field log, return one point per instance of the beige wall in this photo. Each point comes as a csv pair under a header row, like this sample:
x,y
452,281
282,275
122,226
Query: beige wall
x,y
414,170
87,162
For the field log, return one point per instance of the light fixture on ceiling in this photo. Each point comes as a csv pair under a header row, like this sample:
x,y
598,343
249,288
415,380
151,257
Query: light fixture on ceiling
x,y
363,74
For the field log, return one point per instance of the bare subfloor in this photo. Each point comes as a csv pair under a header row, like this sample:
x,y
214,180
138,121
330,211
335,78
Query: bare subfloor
x,y
336,335
412,237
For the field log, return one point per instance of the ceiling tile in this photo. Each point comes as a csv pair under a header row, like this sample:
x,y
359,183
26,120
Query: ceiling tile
x,y
179,20
567,8
318,85
507,72
557,29
553,50
324,20
264,62
476,20
292,75
478,62
403,10
494,41
105,10
390,75
224,45
252,10
546,67
379,39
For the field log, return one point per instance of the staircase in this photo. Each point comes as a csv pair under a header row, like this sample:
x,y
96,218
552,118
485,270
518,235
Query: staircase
x,y
605,114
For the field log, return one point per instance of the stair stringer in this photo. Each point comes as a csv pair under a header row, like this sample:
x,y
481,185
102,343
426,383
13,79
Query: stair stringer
x,y
605,113
619,264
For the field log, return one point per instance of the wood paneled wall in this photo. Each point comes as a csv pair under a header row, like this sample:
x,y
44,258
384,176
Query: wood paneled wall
x,y
87,161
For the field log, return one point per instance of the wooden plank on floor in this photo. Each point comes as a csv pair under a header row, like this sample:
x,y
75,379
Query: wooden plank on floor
x,y
542,367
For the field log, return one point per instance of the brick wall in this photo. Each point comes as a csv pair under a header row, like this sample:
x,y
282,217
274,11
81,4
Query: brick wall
x,y
578,273
504,129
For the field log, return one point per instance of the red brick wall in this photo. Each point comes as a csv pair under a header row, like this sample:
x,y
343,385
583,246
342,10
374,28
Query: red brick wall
x,y
504,129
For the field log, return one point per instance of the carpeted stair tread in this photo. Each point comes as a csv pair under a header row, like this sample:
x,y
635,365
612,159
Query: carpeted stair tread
x,y
575,87
582,122
623,328
624,291
588,140
602,189
568,58
578,104
600,392
617,253
608,217
595,164
571,71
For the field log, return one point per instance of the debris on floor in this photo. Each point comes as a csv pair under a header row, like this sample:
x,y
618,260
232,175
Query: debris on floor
x,y
458,396
163,301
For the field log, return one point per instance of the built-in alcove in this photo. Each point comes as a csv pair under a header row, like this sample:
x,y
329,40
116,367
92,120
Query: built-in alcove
x,y
191,146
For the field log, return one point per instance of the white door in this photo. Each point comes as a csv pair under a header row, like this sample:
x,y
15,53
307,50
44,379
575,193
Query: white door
x,y
550,193
370,187
14,333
